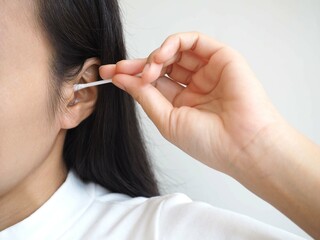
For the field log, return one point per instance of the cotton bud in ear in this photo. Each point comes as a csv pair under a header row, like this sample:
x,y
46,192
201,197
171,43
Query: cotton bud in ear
x,y
74,102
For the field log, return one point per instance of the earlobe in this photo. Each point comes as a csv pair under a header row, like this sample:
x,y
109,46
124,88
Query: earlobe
x,y
82,102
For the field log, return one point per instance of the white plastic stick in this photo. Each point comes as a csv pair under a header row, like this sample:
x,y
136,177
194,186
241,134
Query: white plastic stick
x,y
78,87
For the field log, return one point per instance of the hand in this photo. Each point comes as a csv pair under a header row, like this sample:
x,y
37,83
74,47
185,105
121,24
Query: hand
x,y
220,109
204,98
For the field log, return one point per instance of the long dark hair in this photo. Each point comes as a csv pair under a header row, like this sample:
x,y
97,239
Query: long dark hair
x,y
108,147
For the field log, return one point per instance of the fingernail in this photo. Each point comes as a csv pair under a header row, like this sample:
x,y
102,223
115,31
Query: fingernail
x,y
101,67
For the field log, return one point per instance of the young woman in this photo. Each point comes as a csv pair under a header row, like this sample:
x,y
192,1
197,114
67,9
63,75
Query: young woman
x,y
73,165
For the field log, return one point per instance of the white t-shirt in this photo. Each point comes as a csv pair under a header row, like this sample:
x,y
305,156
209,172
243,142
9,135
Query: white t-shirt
x,y
79,210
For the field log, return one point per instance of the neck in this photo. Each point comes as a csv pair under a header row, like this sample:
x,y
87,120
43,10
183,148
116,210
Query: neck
x,y
34,190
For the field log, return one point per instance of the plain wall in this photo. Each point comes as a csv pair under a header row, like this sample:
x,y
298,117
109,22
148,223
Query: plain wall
x,y
280,40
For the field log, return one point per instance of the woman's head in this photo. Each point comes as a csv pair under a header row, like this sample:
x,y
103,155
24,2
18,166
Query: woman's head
x,y
47,46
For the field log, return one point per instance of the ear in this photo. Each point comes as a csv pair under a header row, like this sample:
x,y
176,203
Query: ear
x,y
80,105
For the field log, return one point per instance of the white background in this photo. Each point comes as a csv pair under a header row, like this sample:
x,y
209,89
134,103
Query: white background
x,y
281,41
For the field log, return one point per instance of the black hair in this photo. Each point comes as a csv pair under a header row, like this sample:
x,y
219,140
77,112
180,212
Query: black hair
x,y
108,147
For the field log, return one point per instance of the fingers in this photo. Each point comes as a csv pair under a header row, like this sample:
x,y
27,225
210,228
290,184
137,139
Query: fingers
x,y
168,88
131,67
107,71
157,105
152,72
187,60
189,50
184,68
180,74
185,52
180,68
191,62
200,44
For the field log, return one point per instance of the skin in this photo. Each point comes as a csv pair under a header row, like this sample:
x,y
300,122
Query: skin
x,y
232,127
31,142
197,83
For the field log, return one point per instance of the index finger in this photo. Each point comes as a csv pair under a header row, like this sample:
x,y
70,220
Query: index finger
x,y
200,44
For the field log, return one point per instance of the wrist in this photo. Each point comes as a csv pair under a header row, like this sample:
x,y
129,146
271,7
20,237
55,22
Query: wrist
x,y
282,167
265,153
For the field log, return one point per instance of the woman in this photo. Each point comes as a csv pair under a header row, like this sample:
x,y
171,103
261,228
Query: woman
x,y
73,164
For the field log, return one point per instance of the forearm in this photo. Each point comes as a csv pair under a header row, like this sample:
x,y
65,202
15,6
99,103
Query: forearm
x,y
283,167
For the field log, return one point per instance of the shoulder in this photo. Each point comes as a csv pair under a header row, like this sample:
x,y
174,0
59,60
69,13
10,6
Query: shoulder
x,y
170,216
175,216
116,215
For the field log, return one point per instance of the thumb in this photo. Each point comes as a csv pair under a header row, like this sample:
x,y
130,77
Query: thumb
x,y
156,106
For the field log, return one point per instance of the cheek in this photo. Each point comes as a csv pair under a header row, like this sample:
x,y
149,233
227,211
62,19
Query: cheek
x,y
26,134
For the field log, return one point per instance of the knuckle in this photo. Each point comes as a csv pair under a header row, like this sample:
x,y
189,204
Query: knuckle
x,y
151,56
120,63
